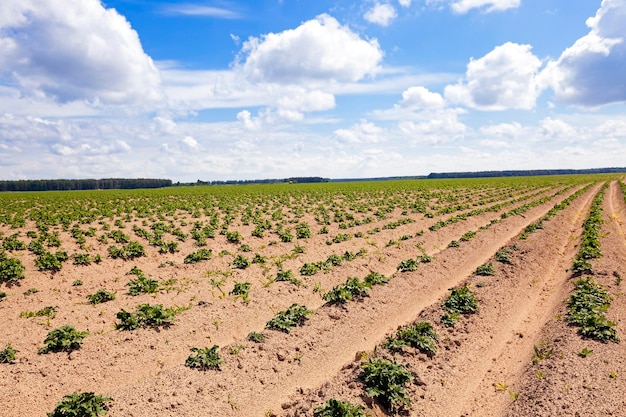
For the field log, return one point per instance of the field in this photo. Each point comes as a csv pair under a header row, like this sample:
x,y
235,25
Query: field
x,y
482,297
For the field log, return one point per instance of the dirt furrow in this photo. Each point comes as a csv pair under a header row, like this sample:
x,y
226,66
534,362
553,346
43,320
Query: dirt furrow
x,y
482,349
311,355
583,377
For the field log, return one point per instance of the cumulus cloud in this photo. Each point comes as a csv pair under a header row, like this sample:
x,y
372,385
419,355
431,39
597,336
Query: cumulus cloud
x,y
440,127
190,142
505,78
362,132
319,51
405,3
420,98
464,6
381,14
591,71
502,130
76,50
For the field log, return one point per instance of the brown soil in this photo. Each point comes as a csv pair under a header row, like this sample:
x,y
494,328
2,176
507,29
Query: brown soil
x,y
483,366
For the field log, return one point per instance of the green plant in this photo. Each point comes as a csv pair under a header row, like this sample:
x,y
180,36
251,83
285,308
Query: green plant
x,y
586,308
309,269
65,338
50,261
386,381
503,255
585,352
198,256
142,284
204,359
454,244
376,278
11,270
461,300
128,251
100,296
295,315
450,319
256,337
146,316
543,351
48,311
31,291
7,355
485,269
77,283
352,288
240,262
241,289
407,265
337,408
85,404
234,237
287,276
420,336
2,295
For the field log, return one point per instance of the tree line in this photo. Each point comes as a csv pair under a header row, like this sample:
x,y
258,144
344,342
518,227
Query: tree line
x,y
83,184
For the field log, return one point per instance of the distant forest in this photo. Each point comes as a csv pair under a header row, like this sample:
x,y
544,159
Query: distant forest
x,y
83,184
292,180
525,173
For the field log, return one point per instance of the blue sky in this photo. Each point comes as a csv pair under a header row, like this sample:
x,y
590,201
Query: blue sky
x,y
217,90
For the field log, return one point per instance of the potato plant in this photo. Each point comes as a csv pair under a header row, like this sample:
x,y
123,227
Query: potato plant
x,y
386,381
7,355
63,339
338,408
295,315
204,358
84,404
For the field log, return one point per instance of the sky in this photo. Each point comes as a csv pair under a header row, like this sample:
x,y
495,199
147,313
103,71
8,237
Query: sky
x,y
232,90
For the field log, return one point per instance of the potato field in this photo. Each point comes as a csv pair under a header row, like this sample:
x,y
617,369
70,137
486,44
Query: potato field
x,y
474,297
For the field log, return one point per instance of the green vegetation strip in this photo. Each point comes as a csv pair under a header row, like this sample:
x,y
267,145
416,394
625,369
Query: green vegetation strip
x,y
590,242
586,308
533,227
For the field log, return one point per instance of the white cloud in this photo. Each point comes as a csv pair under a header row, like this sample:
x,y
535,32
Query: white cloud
x,y
436,127
302,100
502,130
464,6
381,14
505,78
190,142
420,98
199,10
591,71
317,51
75,50
362,132
555,128
405,3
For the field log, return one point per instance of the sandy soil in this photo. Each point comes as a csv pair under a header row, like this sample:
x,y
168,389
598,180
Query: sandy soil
x,y
521,307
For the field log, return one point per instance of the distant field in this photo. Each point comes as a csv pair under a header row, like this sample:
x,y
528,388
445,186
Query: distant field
x,y
274,299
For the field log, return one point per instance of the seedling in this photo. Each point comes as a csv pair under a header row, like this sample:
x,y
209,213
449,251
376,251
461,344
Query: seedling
x,y
386,381
585,352
337,408
145,316
420,336
86,404
241,289
63,339
461,300
256,337
295,315
204,359
100,296
7,355
407,265
485,270
198,256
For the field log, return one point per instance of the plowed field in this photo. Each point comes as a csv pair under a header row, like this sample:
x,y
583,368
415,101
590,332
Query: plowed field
x,y
515,356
